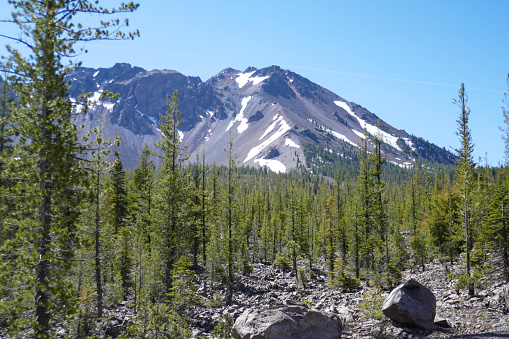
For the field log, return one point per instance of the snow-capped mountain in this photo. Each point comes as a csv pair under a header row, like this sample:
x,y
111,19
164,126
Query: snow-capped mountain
x,y
271,114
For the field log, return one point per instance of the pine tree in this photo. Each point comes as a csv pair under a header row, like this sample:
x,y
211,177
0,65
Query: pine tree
x,y
230,207
173,200
379,202
214,245
465,172
143,187
496,232
119,192
330,235
364,207
48,148
122,233
98,150
6,135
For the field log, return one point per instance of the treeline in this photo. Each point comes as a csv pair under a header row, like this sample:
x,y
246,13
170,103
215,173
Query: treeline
x,y
79,233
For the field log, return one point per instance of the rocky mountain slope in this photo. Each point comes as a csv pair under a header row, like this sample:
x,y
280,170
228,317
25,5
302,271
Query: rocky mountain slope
x,y
271,114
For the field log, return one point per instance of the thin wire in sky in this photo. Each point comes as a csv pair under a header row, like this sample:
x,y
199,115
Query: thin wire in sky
x,y
390,79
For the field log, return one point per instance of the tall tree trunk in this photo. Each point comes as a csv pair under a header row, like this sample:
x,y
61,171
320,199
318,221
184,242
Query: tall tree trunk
x,y
98,274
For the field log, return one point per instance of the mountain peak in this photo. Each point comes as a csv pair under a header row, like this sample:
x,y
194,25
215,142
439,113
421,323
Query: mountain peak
x,y
274,116
250,69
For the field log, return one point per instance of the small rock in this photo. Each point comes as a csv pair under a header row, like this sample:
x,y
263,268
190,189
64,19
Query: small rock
x,y
441,322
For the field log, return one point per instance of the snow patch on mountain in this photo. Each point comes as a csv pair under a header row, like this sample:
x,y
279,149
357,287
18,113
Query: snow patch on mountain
x,y
109,105
240,117
243,78
274,165
154,120
94,97
283,128
359,134
291,143
341,137
373,130
410,144
272,126
402,165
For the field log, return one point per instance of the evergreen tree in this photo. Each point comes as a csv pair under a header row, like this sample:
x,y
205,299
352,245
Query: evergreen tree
x,y
465,172
143,187
173,200
496,232
122,233
444,219
230,207
98,150
119,199
214,245
48,150
6,134
330,235
364,207
379,202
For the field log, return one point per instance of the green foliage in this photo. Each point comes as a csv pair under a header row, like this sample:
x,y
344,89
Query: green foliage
x,y
157,320
393,276
173,199
125,260
215,301
302,277
223,328
183,293
399,253
371,304
86,314
244,267
477,280
48,152
283,263
346,281
343,279
419,243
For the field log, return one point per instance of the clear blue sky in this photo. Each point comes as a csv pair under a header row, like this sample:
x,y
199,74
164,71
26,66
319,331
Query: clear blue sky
x,y
403,60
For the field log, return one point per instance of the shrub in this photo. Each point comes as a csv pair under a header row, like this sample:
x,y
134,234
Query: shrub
x,y
346,281
476,279
283,263
393,276
371,304
223,328
157,320
301,277
245,267
342,279
183,292
214,301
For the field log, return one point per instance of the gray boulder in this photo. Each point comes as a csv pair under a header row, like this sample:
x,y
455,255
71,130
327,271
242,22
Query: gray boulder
x,y
411,303
288,321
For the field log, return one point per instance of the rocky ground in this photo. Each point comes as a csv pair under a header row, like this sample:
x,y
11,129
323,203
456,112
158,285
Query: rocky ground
x,y
483,316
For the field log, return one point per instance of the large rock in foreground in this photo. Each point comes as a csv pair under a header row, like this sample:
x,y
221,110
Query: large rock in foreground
x,y
288,321
411,303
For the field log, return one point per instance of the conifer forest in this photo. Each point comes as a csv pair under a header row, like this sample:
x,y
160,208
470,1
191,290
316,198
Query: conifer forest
x,y
79,233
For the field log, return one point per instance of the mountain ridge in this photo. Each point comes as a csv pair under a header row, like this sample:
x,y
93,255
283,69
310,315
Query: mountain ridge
x,y
271,113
